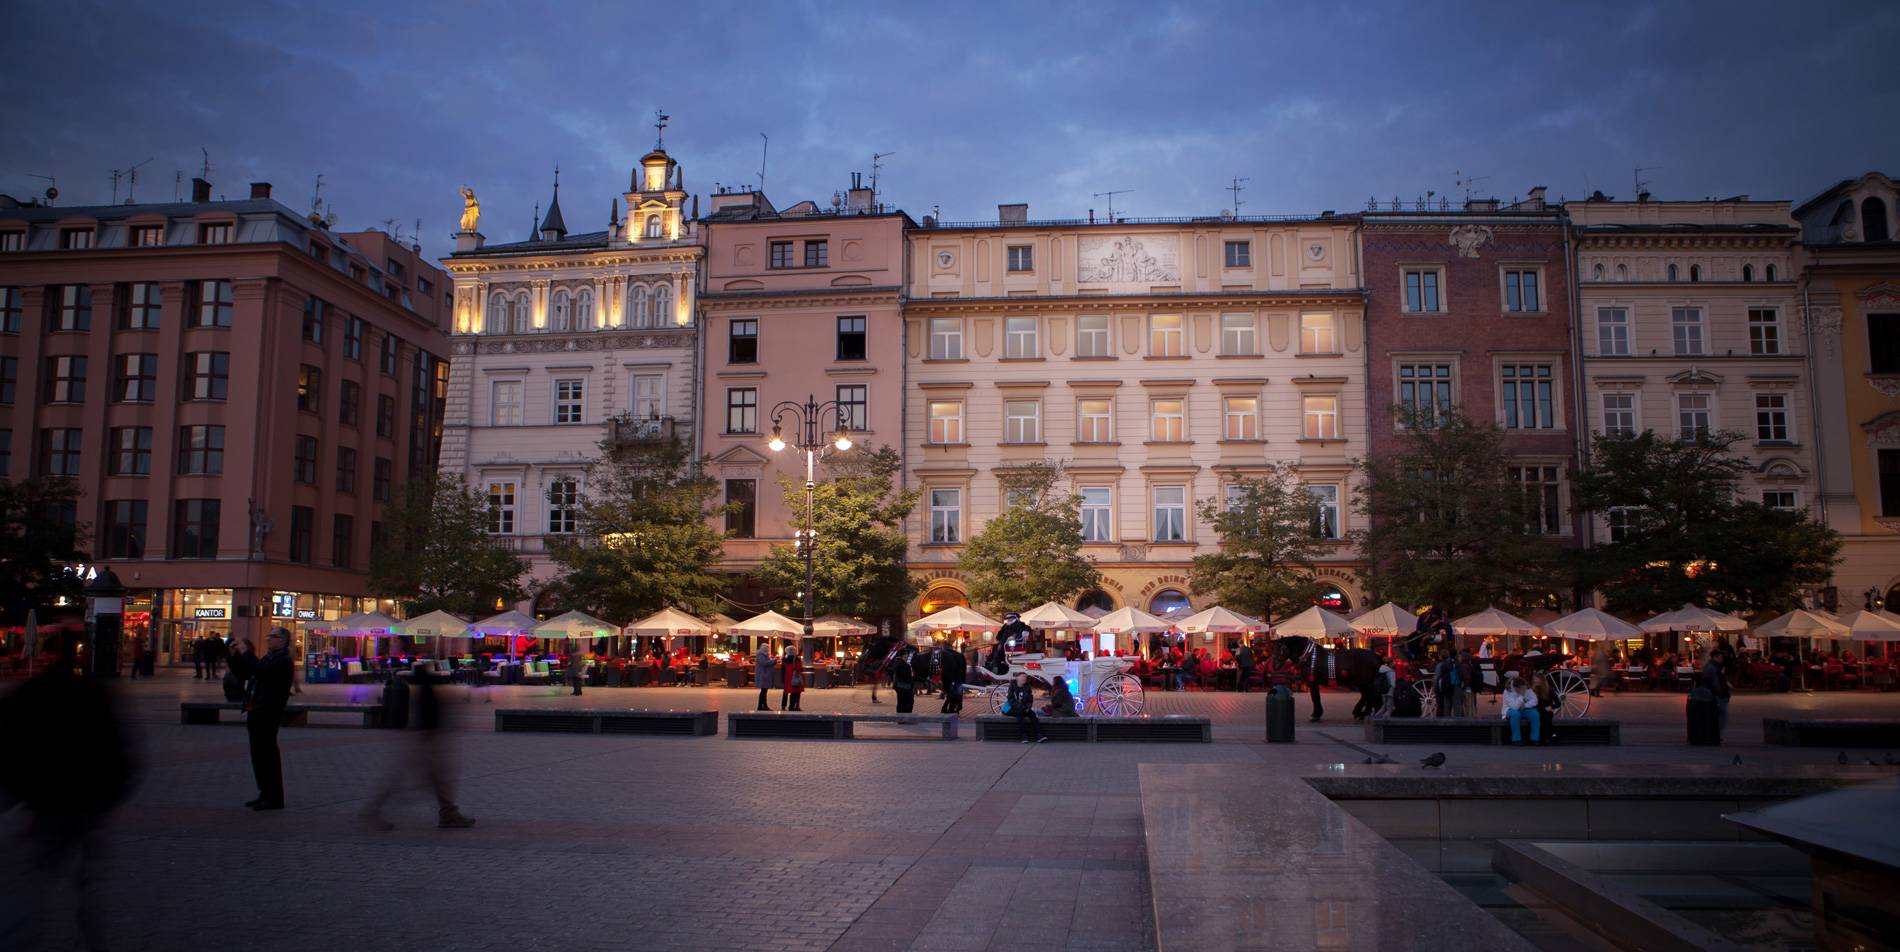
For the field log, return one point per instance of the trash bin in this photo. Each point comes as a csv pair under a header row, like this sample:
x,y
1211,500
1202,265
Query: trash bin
x,y
1280,716
1705,723
735,675
613,676
395,703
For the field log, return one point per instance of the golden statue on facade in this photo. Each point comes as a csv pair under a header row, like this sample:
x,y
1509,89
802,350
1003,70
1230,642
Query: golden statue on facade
x,y
471,210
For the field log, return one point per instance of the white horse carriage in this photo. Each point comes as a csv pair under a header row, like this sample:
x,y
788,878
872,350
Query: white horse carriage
x,y
1104,682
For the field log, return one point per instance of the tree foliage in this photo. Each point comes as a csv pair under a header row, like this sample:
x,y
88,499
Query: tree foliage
x,y
858,567
1446,525
1685,532
41,539
437,553
643,542
1031,552
1267,546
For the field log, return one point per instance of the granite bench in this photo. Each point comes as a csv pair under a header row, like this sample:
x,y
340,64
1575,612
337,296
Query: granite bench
x,y
799,724
1486,730
1789,732
295,715
559,721
1102,729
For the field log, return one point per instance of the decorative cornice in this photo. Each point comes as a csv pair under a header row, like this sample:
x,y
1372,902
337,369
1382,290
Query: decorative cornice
x,y
579,343
1169,300
464,267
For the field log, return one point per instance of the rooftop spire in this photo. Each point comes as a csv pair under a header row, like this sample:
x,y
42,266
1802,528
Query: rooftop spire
x,y
552,227
659,122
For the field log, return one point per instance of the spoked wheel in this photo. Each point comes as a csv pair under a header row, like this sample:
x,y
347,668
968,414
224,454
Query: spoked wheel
x,y
1120,696
996,702
1427,698
1571,690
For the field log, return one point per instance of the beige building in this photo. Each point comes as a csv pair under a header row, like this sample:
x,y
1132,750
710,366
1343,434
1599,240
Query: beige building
x,y
1154,360
1689,322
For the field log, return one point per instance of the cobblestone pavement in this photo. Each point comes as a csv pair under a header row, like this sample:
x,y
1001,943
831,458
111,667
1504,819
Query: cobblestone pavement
x,y
709,843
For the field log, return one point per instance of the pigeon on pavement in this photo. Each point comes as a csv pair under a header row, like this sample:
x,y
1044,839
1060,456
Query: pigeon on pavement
x,y
1737,762
1842,759
1435,760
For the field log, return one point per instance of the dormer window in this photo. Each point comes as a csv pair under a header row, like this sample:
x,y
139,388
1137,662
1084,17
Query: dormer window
x,y
75,238
148,236
1873,219
219,234
654,227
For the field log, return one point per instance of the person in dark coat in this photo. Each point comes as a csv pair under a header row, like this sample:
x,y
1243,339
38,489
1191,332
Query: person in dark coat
x,y
576,670
432,758
1243,666
904,679
1020,703
217,655
197,659
953,670
762,665
268,694
68,763
1061,699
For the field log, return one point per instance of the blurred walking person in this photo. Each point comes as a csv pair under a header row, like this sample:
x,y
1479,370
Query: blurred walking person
x,y
954,669
267,693
429,756
793,671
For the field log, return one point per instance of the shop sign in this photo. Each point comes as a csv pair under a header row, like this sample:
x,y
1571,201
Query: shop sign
x,y
1332,599
306,614
209,612
283,604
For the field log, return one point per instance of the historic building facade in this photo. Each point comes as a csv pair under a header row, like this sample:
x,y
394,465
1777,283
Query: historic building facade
x,y
1155,361
803,303
563,340
235,388
1471,310
1690,325
1850,293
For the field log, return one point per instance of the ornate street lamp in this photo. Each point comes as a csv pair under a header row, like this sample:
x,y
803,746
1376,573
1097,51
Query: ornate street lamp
x,y
808,433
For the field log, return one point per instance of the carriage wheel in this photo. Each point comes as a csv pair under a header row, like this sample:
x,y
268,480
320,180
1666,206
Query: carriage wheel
x,y
1571,690
1427,698
1120,696
996,702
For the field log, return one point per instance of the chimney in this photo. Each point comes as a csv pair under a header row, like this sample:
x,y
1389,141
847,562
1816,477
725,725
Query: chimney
x,y
1481,204
1536,200
858,199
200,190
1012,214
260,189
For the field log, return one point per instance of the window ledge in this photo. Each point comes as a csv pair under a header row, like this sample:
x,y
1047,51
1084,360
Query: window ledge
x,y
946,360
1094,357
1438,313
1777,444
1241,442
947,446
1320,440
1180,543
940,545
1166,357
1166,443
1021,360
1088,443
1323,353
1510,313
1252,356
1007,443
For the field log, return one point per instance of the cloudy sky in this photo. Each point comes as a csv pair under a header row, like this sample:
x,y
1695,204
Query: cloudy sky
x,y
1318,106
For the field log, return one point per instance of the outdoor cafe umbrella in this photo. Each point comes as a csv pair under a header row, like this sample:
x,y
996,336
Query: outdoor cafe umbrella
x,y
1692,618
1130,621
667,623
1802,623
1872,625
575,625
436,624
955,618
510,624
769,624
371,625
1316,623
838,626
1219,621
1589,624
1494,621
1390,619
1056,615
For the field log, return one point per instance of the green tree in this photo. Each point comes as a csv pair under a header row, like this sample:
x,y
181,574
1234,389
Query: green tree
x,y
1267,546
1446,525
643,542
41,539
858,567
437,552
1684,533
1031,552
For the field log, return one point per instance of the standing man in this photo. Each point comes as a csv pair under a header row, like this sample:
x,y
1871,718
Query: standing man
x,y
267,694
197,659
1716,681
1243,666
762,671
954,669
576,662
904,679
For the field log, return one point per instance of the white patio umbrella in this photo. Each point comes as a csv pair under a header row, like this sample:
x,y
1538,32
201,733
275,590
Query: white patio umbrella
x,y
371,625
721,622
769,624
1130,621
510,624
1496,622
1055,615
575,625
1692,618
1874,625
435,625
667,623
1315,622
1390,619
955,618
1588,624
1095,612
1802,623
1220,621
839,626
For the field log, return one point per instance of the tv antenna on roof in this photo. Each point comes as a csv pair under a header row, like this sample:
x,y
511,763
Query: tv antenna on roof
x,y
1111,199
1636,177
876,167
316,197
764,147
52,190
205,172
1465,182
1237,188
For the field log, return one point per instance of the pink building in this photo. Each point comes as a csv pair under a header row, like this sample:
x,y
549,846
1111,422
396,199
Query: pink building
x,y
803,302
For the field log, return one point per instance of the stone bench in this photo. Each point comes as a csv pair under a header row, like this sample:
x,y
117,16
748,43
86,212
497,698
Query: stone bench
x,y
295,715
824,726
1172,727
1486,730
1788,732
558,721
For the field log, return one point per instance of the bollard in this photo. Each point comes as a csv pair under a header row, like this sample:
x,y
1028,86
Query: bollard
x,y
1280,716
1705,725
395,703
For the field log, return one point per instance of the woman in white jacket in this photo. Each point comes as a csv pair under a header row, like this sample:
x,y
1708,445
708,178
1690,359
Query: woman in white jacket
x,y
1520,708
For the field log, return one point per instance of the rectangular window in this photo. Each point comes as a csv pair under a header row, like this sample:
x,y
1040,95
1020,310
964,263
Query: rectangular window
x,y
1091,336
854,405
1613,332
1022,421
131,448
1540,495
1320,418
1097,514
781,254
564,506
12,240
195,529
12,305
1170,513
946,421
1889,483
1165,335
304,464
1779,499
214,234
1771,417
214,304
75,238
569,399
1619,414
59,451
313,311
207,375
1764,330
1692,416
1326,515
353,338
143,305
742,410
385,415
1093,422
817,254
1022,258
9,379
342,540
946,515
1686,322
65,380
1239,254
742,343
1019,337
1520,291
380,479
1883,343
946,338
303,532
501,508
1242,418
1316,334
125,529
392,346
649,396
349,403
1527,397
1421,291
851,338
345,469
137,379
1169,421
1425,392
148,236
1237,335
6,452
309,389
75,308
742,508
201,450
504,406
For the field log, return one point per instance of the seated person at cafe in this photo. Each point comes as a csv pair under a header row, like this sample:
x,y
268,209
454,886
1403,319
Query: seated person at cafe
x,y
1061,700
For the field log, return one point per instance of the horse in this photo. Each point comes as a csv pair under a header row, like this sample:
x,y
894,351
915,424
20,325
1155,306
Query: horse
x,y
1352,668
874,659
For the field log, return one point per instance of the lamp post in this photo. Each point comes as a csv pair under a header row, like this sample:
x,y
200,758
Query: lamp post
x,y
808,433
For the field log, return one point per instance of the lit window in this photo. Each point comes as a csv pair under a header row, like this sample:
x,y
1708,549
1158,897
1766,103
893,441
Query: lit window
x,y
1316,334
946,421
309,389
501,508
214,234
1241,416
505,409
148,236
1326,514
1165,334
1321,417
1093,423
1169,421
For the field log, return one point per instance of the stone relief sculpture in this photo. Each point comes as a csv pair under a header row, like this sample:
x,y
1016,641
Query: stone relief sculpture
x,y
1128,260
471,210
1468,239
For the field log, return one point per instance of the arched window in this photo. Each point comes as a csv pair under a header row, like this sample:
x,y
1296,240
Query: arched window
x,y
637,306
584,310
1873,219
1695,272
663,306
1672,272
497,322
1771,274
1748,273
654,229
1097,599
942,597
1170,604
1622,272
524,313
1596,273
561,310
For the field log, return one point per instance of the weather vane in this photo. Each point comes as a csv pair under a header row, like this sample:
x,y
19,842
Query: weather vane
x,y
660,124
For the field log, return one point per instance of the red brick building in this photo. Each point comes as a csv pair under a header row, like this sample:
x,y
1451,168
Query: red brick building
x,y
237,390
1472,309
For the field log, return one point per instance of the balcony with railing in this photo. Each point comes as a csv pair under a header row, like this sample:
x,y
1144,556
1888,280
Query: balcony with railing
x,y
646,429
